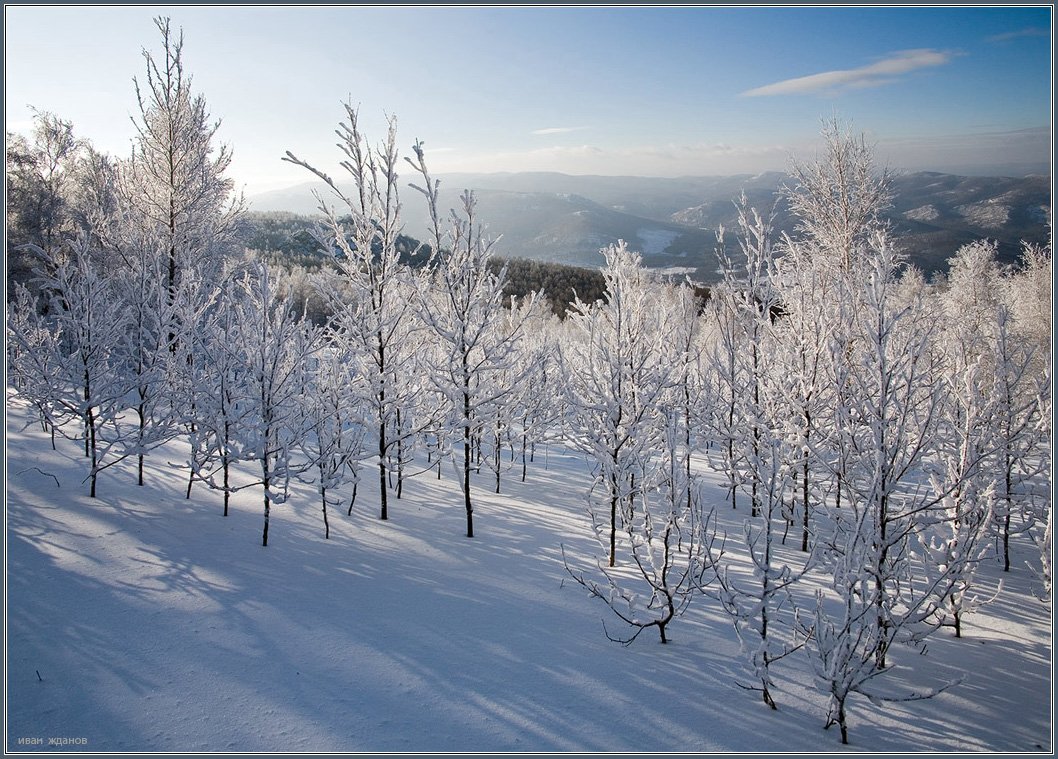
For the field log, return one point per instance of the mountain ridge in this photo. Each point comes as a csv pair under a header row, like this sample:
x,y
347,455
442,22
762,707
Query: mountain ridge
x,y
568,218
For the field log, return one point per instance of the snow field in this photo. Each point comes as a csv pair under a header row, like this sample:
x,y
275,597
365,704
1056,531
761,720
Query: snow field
x,y
156,624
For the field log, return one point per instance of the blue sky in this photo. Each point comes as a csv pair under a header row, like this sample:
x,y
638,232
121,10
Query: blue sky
x,y
586,90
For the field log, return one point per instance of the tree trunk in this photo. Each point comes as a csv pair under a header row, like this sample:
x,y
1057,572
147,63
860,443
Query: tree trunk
x,y
191,473
226,462
382,470
497,458
523,455
466,473
267,503
225,465
143,426
1008,481
804,498
326,524
92,446
613,519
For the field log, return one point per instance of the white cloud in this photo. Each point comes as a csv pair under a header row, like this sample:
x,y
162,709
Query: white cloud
x,y
874,75
1031,31
558,130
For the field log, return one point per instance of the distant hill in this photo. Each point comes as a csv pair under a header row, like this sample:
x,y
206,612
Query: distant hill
x,y
672,222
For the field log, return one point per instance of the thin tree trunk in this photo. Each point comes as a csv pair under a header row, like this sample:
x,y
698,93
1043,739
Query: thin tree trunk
x,y
139,458
1009,483
225,465
323,497
400,456
93,451
382,470
352,499
804,493
497,457
523,455
267,502
613,519
466,469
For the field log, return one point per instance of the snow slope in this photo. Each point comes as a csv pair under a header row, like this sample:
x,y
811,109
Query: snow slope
x,y
140,621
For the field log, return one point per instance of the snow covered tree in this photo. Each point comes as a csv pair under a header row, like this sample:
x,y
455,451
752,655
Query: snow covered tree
x,y
617,375
761,607
144,346
1028,293
659,514
87,380
757,365
1044,429
1024,381
691,400
33,354
806,287
276,347
336,433
174,183
885,431
41,180
212,381
539,405
670,542
742,305
373,310
837,199
727,371
477,337
958,540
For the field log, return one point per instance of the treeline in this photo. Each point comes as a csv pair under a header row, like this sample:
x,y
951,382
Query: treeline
x,y
287,241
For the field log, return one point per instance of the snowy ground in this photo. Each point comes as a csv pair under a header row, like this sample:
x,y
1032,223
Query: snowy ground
x,y
141,621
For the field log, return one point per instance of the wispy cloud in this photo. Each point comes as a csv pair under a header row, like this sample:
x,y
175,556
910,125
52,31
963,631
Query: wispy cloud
x,y
876,74
669,160
1029,31
559,130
